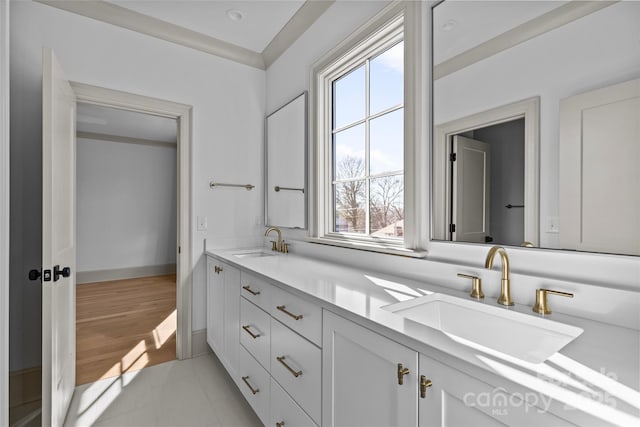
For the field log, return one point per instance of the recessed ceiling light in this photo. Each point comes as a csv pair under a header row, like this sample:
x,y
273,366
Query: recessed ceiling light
x,y
449,25
235,15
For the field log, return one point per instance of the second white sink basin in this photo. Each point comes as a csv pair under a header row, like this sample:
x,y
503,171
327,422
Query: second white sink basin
x,y
526,337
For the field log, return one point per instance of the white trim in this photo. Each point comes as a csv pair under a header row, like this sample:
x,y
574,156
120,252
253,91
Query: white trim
x,y
308,13
120,16
183,114
409,20
124,139
551,20
135,21
4,212
93,276
199,340
529,109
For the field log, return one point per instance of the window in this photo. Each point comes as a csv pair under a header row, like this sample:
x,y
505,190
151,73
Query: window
x,y
366,139
367,145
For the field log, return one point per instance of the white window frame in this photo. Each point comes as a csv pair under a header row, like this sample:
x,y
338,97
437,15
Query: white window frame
x,y
398,21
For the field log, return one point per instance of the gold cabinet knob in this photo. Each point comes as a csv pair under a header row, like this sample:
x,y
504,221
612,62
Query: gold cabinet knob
x,y
476,286
280,424
424,385
402,371
542,303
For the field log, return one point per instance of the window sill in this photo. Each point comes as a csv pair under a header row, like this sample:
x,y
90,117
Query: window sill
x,y
368,246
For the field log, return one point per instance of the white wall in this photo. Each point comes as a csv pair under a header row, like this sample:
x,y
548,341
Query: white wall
x,y
4,212
126,205
228,111
289,75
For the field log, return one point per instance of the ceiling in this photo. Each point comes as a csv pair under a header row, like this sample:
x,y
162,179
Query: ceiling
x,y
129,124
262,19
463,25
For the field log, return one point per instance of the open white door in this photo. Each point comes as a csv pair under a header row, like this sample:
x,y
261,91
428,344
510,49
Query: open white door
x,y
471,173
58,241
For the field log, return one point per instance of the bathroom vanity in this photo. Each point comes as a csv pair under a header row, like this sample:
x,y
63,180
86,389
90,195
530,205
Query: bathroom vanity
x,y
310,342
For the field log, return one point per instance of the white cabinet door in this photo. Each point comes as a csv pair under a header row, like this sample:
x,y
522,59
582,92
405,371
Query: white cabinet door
x,y
231,316
458,399
215,306
360,384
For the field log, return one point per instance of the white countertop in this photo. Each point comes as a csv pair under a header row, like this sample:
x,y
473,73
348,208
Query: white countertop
x,y
598,372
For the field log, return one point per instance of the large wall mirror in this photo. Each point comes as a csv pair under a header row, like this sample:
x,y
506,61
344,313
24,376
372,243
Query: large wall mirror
x,y
285,164
536,112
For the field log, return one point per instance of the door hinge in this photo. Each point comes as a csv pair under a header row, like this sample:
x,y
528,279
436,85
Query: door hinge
x,y
179,249
453,157
452,228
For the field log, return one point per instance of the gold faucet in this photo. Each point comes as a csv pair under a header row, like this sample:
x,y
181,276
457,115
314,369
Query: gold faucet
x,y
505,284
279,245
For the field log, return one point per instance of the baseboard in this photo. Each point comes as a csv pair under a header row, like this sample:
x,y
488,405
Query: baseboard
x,y
123,273
199,343
25,386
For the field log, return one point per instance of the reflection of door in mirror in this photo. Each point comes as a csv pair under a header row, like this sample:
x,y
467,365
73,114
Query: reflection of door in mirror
x,y
487,184
600,170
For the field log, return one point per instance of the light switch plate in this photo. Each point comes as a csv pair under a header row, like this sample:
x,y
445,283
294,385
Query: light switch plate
x,y
202,223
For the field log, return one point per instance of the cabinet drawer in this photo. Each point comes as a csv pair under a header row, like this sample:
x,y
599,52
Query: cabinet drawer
x,y
298,314
296,364
254,383
255,331
285,411
256,290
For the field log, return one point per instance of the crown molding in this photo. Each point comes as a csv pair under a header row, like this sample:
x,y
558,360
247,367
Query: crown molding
x,y
135,21
308,13
544,23
120,16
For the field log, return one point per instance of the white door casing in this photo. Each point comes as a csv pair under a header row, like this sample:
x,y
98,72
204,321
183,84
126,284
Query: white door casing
x,y
598,128
58,241
471,190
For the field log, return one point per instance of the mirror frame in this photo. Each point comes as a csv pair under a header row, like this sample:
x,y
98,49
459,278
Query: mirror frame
x,y
305,95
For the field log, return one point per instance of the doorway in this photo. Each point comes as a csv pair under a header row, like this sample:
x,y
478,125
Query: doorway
x,y
487,184
126,241
523,114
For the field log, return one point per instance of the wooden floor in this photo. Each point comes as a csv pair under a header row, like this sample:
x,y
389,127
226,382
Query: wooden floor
x,y
124,325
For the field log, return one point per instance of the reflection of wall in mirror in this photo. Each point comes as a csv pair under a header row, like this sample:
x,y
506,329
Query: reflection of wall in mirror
x,y
594,51
286,130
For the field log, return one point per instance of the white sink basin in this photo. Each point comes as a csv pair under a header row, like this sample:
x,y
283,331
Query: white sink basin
x,y
529,338
253,254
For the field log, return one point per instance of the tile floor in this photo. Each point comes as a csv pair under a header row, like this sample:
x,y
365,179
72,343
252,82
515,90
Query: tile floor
x,y
191,393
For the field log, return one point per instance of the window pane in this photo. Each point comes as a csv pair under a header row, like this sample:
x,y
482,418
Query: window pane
x,y
387,206
348,153
387,79
349,98
386,143
350,207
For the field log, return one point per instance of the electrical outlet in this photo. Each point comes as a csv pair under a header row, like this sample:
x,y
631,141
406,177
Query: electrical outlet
x,y
202,223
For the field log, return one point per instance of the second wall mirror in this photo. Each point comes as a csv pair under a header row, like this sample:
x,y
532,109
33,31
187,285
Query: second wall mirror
x,y
286,165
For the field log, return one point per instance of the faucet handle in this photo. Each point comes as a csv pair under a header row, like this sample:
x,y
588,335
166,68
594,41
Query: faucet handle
x,y
476,285
274,245
285,247
542,304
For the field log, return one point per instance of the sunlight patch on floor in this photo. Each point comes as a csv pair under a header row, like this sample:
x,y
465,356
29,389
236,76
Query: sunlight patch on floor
x,y
165,330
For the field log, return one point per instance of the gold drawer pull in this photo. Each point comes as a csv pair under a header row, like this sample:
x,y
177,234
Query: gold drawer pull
x,y
254,391
246,328
251,291
402,371
294,373
424,385
280,424
283,309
